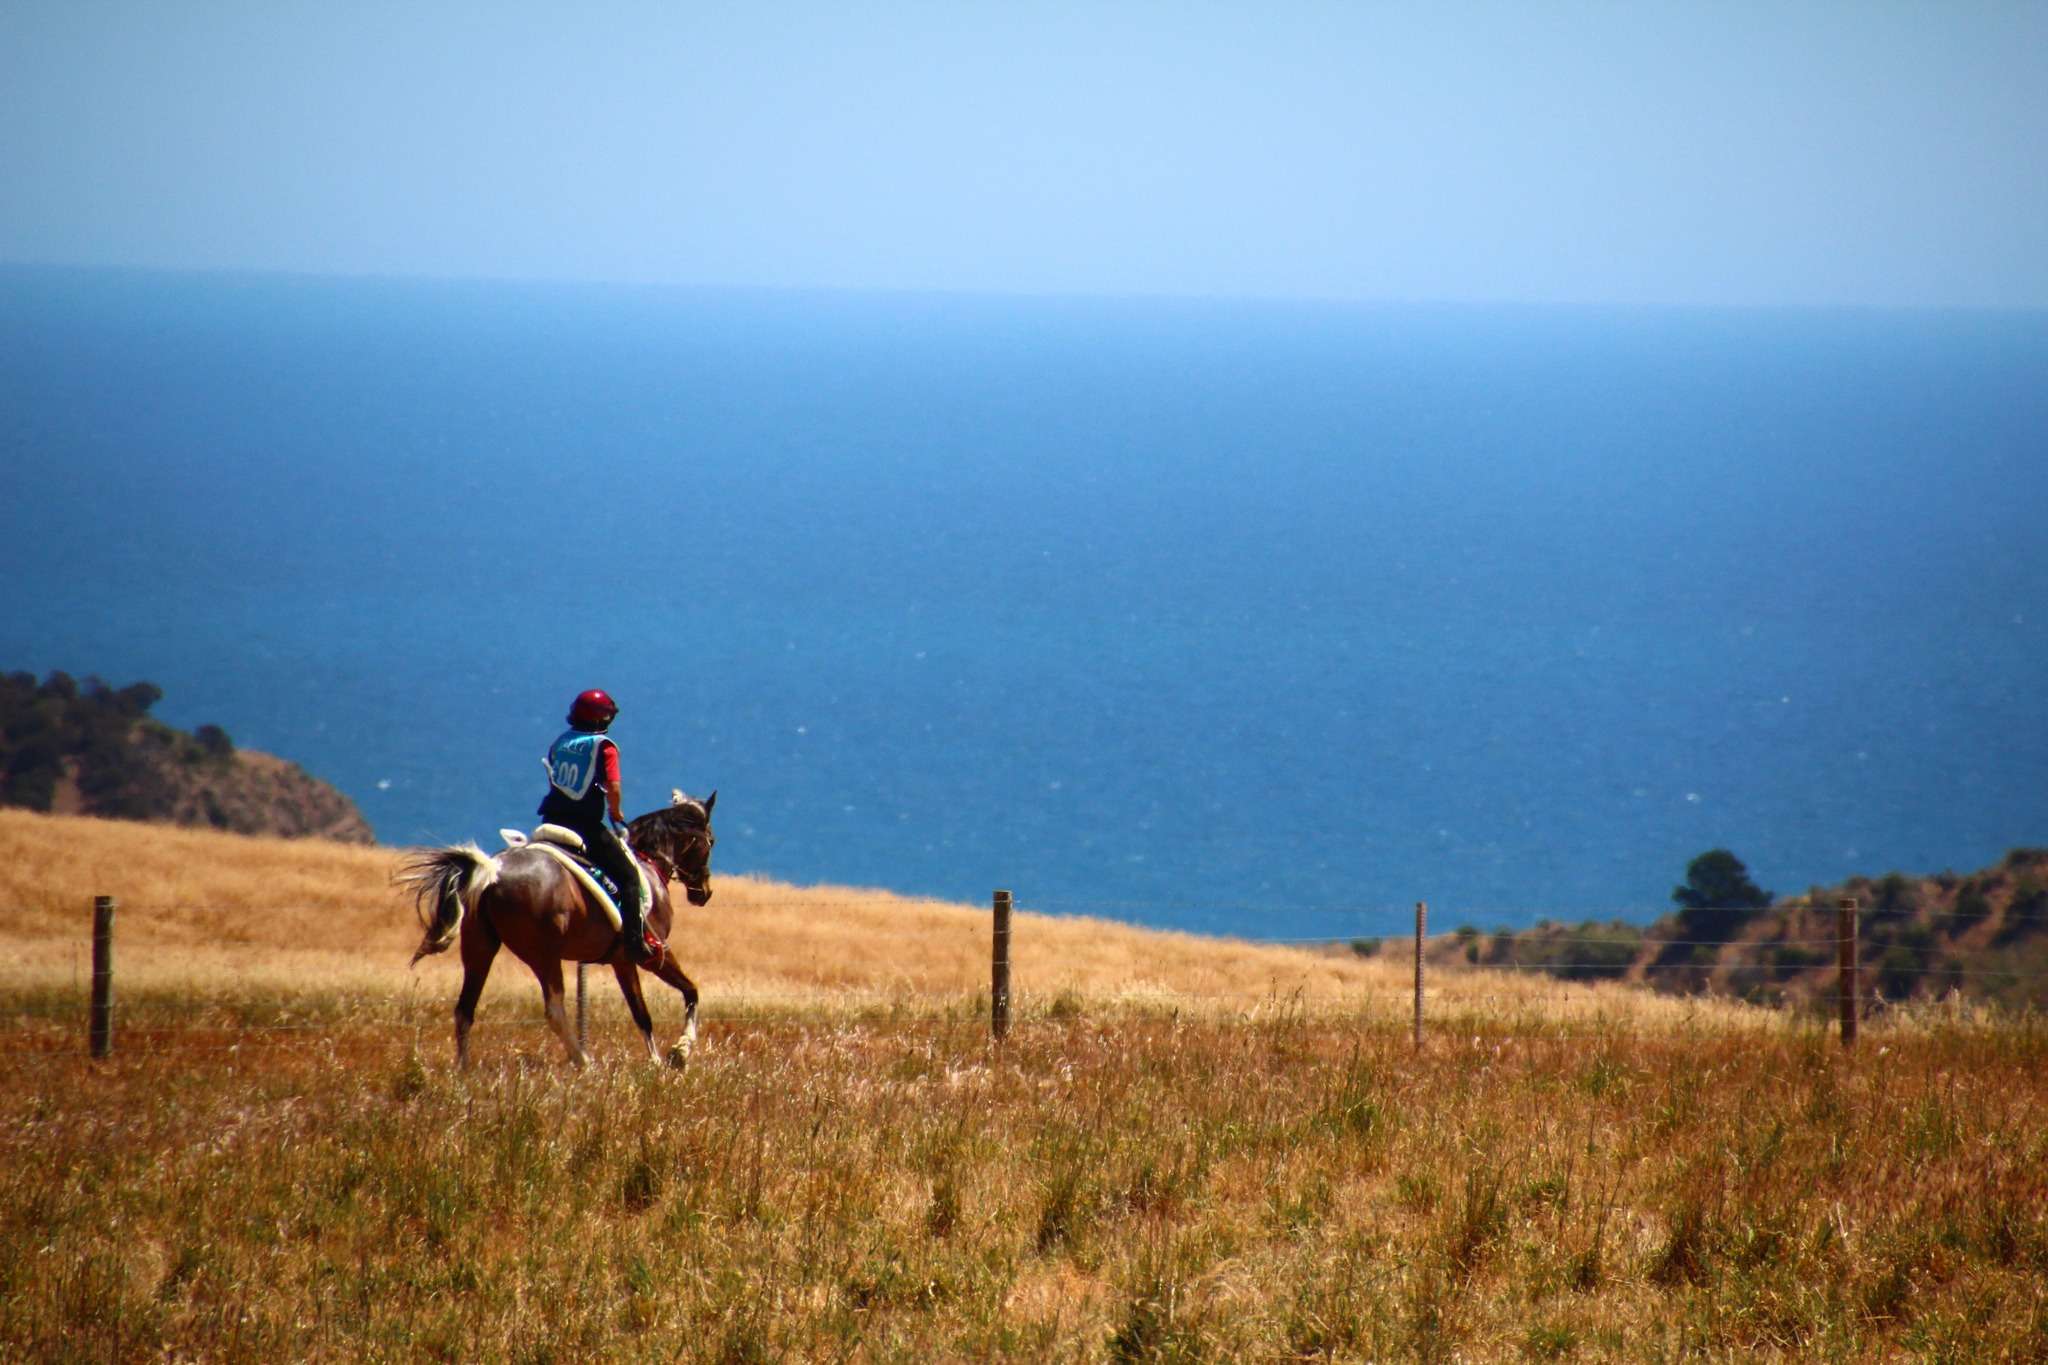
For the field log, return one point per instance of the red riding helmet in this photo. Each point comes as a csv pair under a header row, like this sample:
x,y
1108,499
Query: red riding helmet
x,y
593,710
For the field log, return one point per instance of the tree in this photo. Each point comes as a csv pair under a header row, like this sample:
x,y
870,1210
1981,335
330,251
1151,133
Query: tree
x,y
1717,896
136,698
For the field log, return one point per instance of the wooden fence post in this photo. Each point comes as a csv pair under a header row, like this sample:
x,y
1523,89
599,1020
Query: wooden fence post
x,y
102,975
1421,932
999,970
582,1015
1845,933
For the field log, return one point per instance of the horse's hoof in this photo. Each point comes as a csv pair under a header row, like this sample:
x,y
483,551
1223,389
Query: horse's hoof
x,y
678,1057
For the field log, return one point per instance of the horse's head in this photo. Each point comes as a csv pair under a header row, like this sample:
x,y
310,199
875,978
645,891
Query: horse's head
x,y
679,837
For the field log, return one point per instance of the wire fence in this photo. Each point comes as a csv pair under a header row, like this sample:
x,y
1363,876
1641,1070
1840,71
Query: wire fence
x,y
1218,920
1223,920
1211,919
1805,962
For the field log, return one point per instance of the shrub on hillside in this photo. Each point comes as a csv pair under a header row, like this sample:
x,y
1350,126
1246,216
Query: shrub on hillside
x,y
214,742
2027,913
1896,896
1902,968
1601,952
1787,960
1589,951
1972,905
29,770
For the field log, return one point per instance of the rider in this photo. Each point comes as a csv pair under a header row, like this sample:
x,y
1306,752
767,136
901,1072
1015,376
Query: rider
x,y
583,787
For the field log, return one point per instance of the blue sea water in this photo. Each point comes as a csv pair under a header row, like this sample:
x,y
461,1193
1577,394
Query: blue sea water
x,y
1256,618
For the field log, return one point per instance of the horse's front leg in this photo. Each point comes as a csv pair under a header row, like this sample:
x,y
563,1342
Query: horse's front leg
x,y
636,1003
679,1055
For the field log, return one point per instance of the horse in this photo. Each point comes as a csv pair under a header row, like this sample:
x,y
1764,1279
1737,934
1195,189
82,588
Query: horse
x,y
525,900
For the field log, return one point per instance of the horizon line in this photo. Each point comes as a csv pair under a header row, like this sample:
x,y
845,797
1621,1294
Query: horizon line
x,y
993,293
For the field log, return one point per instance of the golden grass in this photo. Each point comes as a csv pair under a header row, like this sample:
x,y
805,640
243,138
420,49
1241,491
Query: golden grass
x,y
1111,1184
207,913
1189,1149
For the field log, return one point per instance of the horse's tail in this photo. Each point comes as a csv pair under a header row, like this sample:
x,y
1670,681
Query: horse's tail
x,y
450,880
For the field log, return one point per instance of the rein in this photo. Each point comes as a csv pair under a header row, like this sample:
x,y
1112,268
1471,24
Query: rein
x,y
659,862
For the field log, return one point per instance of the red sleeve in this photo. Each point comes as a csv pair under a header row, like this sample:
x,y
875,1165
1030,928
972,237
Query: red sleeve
x,y
610,763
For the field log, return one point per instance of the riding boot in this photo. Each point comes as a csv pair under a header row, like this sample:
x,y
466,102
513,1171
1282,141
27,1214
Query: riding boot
x,y
633,910
655,947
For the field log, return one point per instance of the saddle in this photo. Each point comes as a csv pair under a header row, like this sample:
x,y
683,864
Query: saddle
x,y
566,847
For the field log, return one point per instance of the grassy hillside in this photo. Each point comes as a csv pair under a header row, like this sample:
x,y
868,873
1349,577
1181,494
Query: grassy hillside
x,y
1981,935
214,914
1187,1150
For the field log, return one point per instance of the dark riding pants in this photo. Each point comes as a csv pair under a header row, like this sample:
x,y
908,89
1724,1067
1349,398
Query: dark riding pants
x,y
609,852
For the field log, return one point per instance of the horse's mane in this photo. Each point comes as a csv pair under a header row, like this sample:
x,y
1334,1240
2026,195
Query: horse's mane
x,y
663,829
686,816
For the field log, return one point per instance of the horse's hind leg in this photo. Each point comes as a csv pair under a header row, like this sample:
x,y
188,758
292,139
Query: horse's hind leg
x,y
636,1003
679,1055
479,950
550,974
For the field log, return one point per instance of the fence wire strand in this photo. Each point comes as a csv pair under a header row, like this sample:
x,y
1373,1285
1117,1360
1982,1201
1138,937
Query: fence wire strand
x,y
1576,978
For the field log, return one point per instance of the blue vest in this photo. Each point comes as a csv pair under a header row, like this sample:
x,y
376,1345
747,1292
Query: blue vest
x,y
572,762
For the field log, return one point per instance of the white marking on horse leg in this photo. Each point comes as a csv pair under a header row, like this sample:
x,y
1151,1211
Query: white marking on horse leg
x,y
679,1055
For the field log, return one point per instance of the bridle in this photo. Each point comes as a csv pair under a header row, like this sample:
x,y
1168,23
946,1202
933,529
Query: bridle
x,y
669,860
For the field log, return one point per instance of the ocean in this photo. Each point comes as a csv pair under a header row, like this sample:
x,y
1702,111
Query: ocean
x,y
1255,618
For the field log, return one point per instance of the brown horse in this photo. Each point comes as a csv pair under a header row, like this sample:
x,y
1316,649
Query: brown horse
x,y
525,900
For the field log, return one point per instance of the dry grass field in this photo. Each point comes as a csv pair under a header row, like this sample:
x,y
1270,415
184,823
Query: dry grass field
x,y
1188,1149
215,917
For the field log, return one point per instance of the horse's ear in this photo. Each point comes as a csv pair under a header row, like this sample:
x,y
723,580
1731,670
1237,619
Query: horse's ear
x,y
676,797
709,802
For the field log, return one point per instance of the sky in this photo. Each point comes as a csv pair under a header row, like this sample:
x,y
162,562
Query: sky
x,y
1785,153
